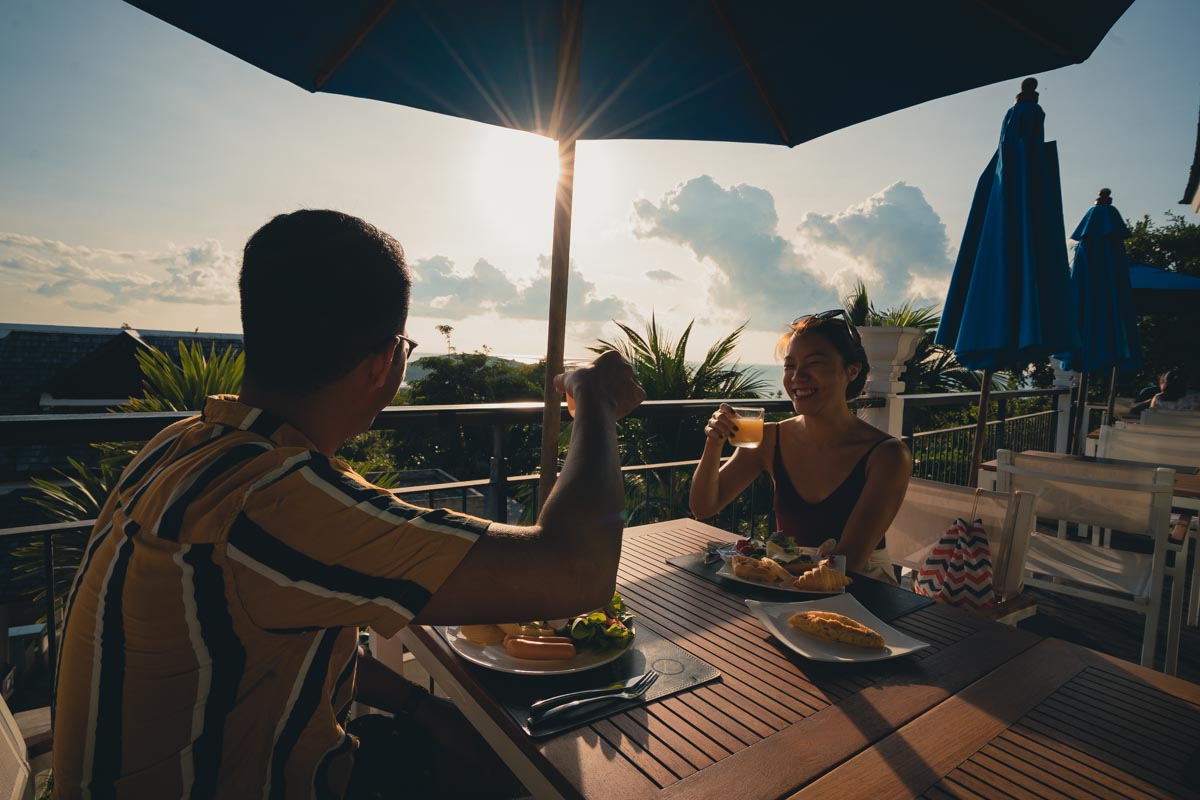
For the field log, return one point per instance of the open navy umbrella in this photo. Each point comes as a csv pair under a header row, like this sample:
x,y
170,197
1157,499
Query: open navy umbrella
x,y
1009,301
1163,291
1103,300
778,73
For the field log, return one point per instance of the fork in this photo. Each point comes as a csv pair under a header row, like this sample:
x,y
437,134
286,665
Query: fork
x,y
635,691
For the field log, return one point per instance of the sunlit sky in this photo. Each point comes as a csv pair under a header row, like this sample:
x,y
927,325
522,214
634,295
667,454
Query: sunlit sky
x,y
135,161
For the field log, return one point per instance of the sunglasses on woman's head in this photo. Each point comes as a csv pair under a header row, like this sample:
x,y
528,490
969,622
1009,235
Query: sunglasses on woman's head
x,y
832,314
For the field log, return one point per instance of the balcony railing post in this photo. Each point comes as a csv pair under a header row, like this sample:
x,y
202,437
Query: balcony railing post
x,y
51,615
1001,420
498,478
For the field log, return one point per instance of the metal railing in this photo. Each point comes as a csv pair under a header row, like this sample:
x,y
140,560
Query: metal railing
x,y
944,454
654,491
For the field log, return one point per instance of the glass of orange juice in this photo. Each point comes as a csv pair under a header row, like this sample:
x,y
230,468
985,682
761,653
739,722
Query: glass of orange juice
x,y
749,424
567,369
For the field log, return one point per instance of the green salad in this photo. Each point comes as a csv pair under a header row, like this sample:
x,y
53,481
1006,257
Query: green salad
x,y
603,629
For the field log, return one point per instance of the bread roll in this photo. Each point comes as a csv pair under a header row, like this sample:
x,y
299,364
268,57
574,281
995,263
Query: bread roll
x,y
750,569
834,627
482,634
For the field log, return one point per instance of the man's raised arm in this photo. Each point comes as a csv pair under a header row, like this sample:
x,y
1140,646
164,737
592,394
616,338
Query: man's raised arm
x,y
567,563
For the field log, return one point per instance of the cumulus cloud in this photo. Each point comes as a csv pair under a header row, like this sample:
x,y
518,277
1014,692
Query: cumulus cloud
x,y
442,292
663,276
106,280
760,275
202,274
894,241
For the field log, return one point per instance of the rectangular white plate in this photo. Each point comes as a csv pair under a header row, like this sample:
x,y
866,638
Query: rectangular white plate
x,y
774,617
839,563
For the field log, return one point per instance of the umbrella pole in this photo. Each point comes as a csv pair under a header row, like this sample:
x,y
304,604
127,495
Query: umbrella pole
x,y
985,394
563,121
1109,417
557,329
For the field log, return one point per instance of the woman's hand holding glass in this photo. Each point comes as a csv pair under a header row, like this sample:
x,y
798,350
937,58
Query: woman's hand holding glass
x,y
741,427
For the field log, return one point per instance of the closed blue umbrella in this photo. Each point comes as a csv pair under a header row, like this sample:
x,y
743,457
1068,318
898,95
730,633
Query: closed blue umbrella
x,y
777,73
1101,293
1102,296
1008,303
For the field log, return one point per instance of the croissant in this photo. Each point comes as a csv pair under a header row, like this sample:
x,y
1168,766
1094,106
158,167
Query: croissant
x,y
835,627
821,579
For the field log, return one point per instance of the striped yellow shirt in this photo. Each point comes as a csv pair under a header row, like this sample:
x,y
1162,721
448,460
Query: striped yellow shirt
x,y
211,631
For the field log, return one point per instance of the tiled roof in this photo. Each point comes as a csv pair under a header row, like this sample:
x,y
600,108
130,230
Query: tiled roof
x,y
34,358
1191,195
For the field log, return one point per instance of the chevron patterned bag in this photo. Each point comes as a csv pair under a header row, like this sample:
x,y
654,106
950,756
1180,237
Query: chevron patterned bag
x,y
958,570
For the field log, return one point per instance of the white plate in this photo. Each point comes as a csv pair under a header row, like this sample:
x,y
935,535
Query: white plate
x,y
494,656
839,564
774,617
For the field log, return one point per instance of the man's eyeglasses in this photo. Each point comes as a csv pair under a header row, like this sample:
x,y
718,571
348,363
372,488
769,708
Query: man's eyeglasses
x,y
409,345
832,314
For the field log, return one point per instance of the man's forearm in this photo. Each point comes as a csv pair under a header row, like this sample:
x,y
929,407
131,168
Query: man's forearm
x,y
590,489
584,516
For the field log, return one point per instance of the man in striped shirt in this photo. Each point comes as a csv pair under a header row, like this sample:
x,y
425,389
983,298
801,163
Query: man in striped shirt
x,y
211,635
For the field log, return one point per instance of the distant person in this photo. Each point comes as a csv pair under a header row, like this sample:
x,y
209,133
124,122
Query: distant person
x,y
211,637
1141,401
835,475
1175,395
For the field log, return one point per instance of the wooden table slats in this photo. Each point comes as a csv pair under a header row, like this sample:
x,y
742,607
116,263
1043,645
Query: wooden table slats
x,y
776,722
1056,721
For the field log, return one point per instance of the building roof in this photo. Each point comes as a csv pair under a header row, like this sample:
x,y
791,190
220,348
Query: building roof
x,y
1191,195
76,362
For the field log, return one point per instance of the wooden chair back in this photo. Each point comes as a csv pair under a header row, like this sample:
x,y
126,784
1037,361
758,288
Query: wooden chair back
x,y
930,508
15,780
1152,444
1168,418
1128,498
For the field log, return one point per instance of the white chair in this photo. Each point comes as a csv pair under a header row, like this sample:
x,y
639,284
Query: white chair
x,y
1132,499
15,780
1167,418
930,507
1157,445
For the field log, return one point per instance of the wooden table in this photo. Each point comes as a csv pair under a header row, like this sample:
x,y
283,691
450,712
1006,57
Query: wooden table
x,y
772,725
1057,721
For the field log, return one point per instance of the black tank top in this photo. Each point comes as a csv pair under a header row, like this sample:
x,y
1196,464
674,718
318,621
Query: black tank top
x,y
813,523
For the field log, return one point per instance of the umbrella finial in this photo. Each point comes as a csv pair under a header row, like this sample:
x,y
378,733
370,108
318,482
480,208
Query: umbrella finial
x,y
1104,198
1029,92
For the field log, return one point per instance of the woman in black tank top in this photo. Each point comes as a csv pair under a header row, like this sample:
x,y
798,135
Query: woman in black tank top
x,y
835,475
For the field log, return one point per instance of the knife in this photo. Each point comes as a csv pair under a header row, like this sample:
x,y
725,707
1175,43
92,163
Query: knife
x,y
541,706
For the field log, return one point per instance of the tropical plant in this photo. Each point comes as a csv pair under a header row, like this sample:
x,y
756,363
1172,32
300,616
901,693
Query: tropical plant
x,y
78,494
933,369
167,386
660,365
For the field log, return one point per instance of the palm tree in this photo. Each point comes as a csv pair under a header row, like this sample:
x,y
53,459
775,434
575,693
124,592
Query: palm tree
x,y
660,365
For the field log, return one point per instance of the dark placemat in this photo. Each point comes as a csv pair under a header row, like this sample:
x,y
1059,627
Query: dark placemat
x,y
884,601
678,670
